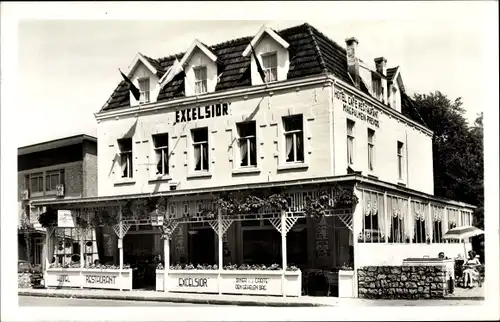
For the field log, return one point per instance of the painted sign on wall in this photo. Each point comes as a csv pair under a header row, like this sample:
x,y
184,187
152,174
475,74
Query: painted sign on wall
x,y
322,247
66,219
193,283
200,113
179,244
357,107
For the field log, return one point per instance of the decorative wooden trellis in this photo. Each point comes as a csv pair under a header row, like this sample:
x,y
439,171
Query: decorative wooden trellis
x,y
121,230
169,227
289,223
226,223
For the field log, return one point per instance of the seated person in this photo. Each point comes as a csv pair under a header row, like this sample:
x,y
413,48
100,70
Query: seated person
x,y
471,273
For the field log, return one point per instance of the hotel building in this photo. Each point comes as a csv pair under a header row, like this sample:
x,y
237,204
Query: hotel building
x,y
321,118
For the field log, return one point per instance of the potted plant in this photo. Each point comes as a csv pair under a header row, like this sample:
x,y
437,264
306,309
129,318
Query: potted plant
x,y
346,281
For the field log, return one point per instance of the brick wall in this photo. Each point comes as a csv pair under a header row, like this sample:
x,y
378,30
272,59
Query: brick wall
x,y
73,179
402,282
89,169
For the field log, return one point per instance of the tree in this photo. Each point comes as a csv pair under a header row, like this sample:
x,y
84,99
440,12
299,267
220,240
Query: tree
x,y
457,149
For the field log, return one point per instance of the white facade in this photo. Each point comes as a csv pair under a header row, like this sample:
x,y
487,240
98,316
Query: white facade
x,y
321,106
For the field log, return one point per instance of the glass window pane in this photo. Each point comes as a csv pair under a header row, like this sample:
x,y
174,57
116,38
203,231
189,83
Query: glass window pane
x,y
293,123
200,135
160,140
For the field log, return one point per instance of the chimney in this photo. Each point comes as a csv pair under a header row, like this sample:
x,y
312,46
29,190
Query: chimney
x,y
381,65
352,60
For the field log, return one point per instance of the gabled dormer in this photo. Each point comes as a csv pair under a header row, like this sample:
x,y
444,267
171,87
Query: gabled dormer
x,y
144,75
200,66
396,87
272,52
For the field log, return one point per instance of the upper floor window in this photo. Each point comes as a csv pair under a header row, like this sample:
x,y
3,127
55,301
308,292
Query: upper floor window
x,y
200,148
36,182
200,80
247,144
125,146
400,160
394,97
144,90
350,142
371,149
294,142
53,178
160,142
270,66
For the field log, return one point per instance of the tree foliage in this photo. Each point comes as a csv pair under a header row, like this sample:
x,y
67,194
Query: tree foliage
x,y
457,149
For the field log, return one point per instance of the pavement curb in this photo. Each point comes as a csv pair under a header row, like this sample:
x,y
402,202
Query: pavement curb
x,y
169,299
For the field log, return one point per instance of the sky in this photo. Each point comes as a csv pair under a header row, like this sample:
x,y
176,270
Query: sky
x,y
69,67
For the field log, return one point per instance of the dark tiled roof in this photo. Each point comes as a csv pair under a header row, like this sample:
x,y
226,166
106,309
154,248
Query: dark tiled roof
x,y
311,53
391,72
409,110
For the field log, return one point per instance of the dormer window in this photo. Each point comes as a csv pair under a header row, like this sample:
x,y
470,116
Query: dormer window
x,y
144,90
270,66
377,86
200,83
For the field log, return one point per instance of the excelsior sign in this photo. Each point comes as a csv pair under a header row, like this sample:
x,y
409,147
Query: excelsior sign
x,y
200,113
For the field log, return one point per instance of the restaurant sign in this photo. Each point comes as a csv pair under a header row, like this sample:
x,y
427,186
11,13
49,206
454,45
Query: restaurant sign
x,y
89,278
357,107
200,113
66,219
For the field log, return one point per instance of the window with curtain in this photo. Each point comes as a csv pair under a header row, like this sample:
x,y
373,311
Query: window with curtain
x,y
437,224
350,142
397,210
247,144
371,149
144,90
200,80
125,146
160,142
400,160
373,219
200,149
270,66
452,222
294,138
420,219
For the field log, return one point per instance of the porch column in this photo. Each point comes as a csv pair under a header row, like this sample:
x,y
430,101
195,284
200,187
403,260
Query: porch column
x,y
82,232
357,229
221,251
430,225
169,227
166,255
283,251
120,237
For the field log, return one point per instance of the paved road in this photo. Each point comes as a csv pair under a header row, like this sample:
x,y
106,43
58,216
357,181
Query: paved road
x,y
54,301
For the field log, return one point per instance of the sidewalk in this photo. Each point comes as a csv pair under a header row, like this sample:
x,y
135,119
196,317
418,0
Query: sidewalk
x,y
241,300
215,299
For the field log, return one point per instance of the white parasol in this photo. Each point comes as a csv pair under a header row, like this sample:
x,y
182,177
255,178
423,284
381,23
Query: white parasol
x,y
463,233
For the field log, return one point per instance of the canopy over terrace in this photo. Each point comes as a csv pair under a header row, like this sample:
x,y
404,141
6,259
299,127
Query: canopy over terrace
x,y
282,218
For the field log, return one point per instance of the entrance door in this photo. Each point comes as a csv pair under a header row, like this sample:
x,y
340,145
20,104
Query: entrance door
x,y
37,252
202,247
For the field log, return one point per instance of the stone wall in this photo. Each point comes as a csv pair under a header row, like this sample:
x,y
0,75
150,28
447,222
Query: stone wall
x,y
402,282
24,280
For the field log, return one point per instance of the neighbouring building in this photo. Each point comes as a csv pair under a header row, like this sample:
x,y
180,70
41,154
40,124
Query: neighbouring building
x,y
206,121
61,169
